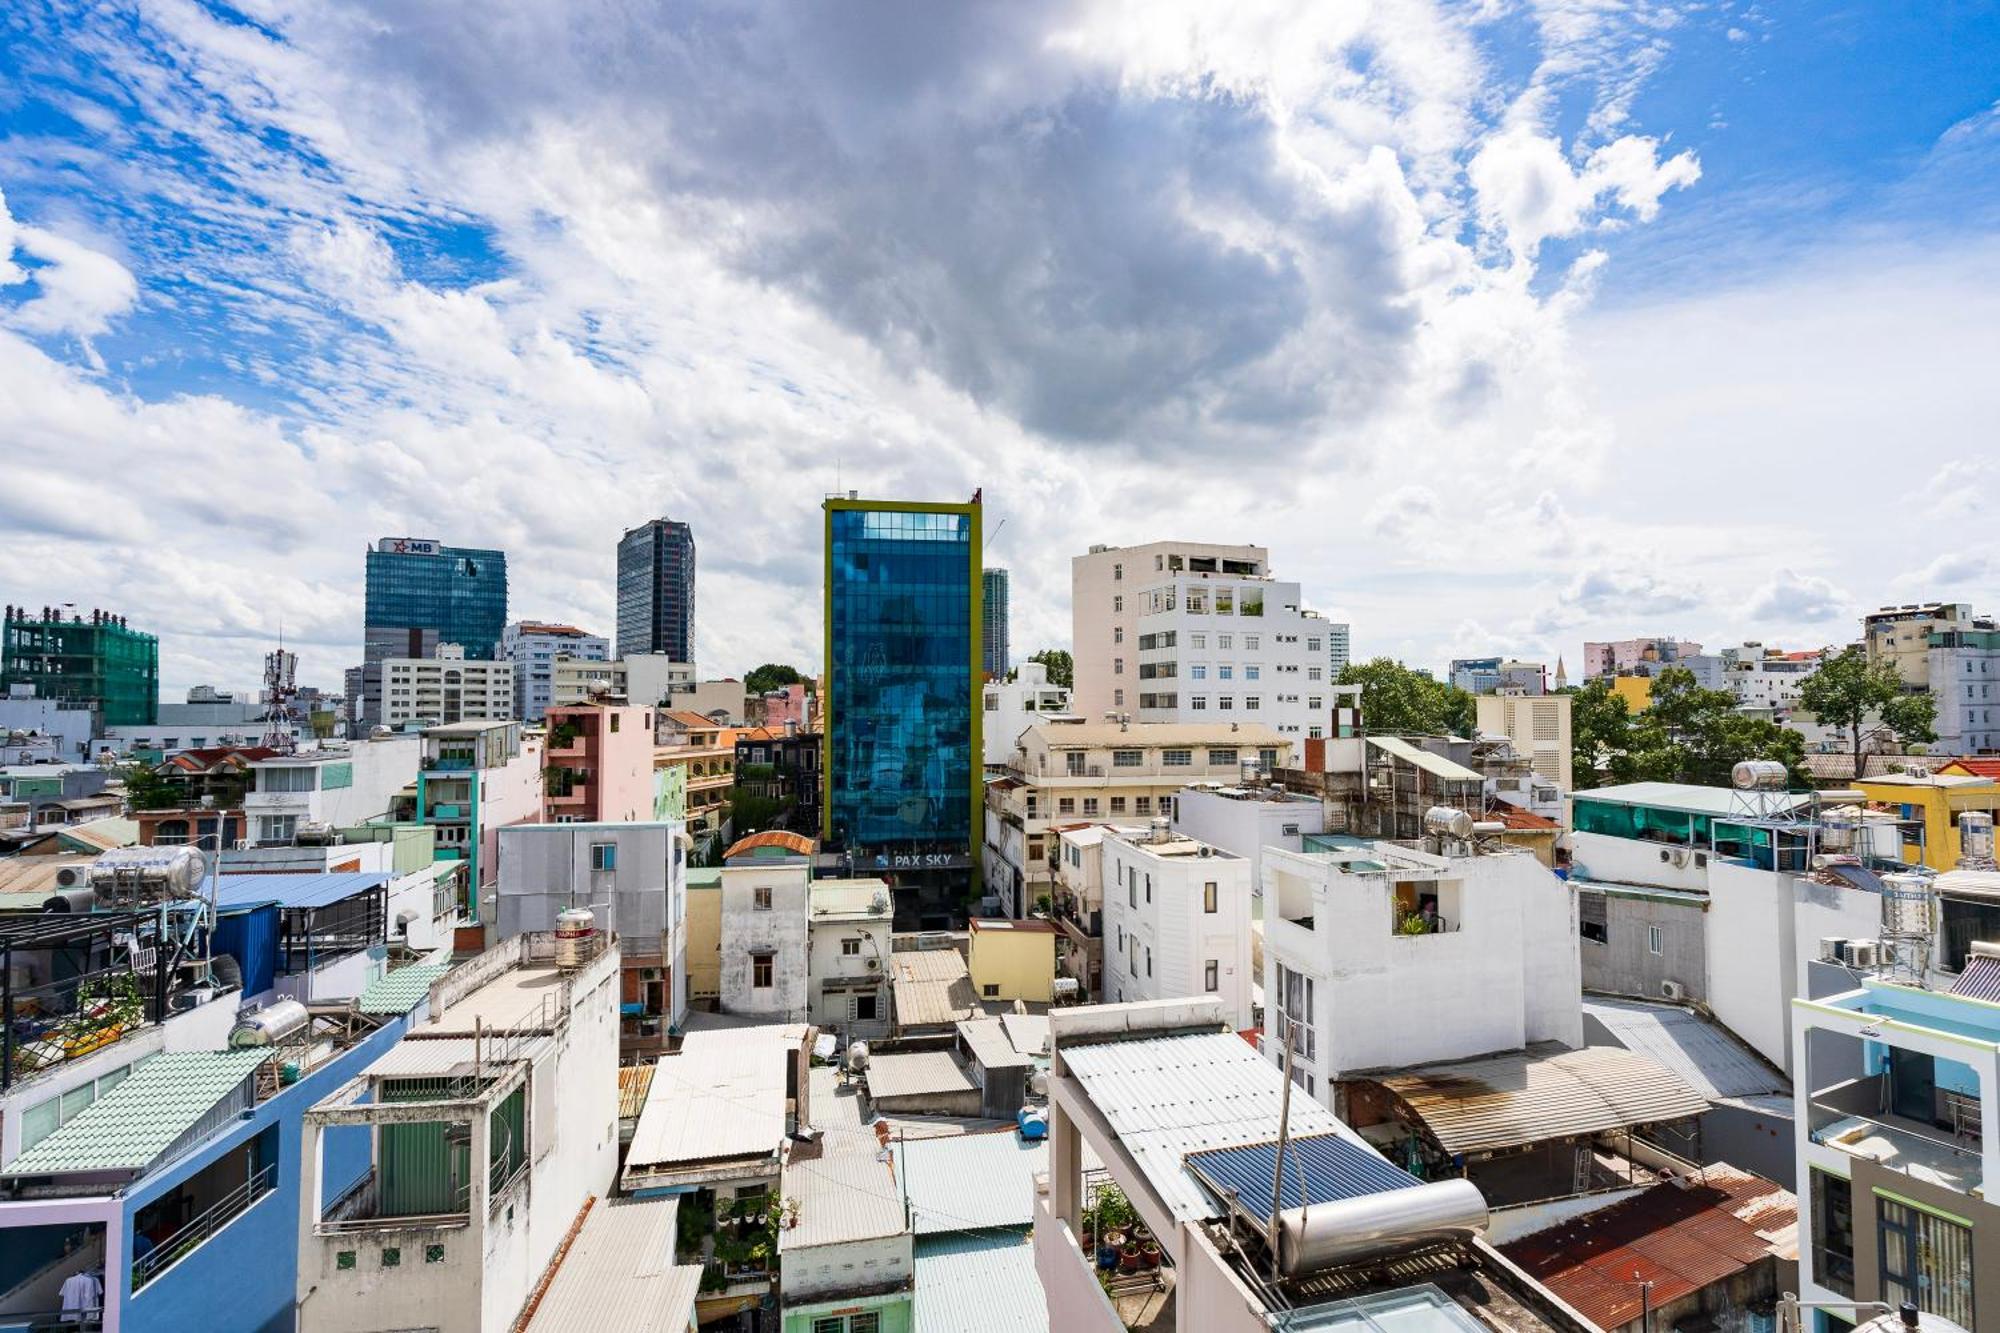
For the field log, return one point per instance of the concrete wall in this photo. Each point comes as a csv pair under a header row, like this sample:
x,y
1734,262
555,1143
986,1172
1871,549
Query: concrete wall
x,y
1013,963
1169,921
1630,861
826,961
1246,827
1753,1138
1068,1282
780,931
1750,963
704,942
1625,964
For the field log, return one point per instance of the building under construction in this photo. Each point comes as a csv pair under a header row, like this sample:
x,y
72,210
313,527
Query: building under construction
x,y
96,661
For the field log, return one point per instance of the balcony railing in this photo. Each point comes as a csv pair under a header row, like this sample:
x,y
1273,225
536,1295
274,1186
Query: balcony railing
x,y
1833,1269
360,1209
211,1220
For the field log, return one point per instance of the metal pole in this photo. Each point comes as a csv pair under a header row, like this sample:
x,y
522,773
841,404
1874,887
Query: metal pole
x,y
1278,1165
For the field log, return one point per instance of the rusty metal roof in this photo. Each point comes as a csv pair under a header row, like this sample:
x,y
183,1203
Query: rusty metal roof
x,y
1681,1238
634,1082
931,988
1544,1092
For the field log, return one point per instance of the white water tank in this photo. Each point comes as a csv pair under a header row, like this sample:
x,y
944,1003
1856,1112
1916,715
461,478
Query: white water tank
x,y
1836,833
1975,837
857,1056
1909,906
149,874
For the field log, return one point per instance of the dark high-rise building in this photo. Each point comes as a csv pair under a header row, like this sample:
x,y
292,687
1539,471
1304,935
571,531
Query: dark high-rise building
x,y
993,650
96,662
903,772
424,593
656,590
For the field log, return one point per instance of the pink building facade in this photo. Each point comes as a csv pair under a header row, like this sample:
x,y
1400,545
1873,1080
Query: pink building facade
x,y
599,764
1624,655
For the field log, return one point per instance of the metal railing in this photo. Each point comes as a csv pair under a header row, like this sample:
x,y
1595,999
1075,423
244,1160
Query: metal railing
x,y
360,1210
211,1220
1833,1270
1935,1153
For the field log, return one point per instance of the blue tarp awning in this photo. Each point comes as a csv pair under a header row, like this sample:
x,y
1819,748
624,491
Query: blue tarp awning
x,y
294,890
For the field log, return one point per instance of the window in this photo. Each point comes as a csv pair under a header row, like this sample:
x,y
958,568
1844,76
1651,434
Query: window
x,y
862,1321
1314,673
1117,666
1252,671
1653,940
1218,758
1065,805
1131,890
862,1008
281,779
760,970
1127,758
761,898
277,828
1117,605
1118,698
1149,960
1314,701
849,948
1197,672
1176,758
1149,886
1590,915
1118,805
1208,903
1833,1232
1312,645
1925,1259
991,990
1090,805
1225,641
1250,642
1224,672
614,721
1142,805
1295,1009
1198,641
1209,980
1253,701
1198,702
1117,634
1117,575
603,856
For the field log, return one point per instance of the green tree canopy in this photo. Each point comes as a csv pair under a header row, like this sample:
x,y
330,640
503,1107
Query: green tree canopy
x,y
145,789
1398,700
1687,734
1846,691
1062,668
772,676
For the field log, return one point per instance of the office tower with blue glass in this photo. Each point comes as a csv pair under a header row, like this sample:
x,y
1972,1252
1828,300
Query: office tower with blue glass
x,y
903,777
993,622
422,593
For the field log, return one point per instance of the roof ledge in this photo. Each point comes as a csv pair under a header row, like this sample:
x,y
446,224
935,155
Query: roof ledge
x,y
1141,1018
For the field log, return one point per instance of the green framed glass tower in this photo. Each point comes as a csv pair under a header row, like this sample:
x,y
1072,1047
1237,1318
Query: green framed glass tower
x,y
903,779
421,593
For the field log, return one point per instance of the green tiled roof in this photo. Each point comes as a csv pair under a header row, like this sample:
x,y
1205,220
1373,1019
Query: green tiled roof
x,y
704,877
402,990
130,1126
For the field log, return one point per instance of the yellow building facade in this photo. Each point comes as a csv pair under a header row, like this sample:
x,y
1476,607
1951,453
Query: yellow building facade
x,y
1013,960
1937,799
704,936
1636,691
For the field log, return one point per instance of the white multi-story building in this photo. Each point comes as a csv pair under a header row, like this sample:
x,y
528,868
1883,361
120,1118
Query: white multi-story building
x,y
1965,681
643,678
766,905
486,1130
1176,921
1066,773
336,787
1339,650
447,688
1766,680
1248,820
534,648
1012,706
848,950
1382,957
1230,648
1104,611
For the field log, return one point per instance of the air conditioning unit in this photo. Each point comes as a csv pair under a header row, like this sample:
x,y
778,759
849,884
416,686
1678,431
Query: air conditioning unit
x,y
1863,953
874,964
649,974
1832,948
1673,990
1680,856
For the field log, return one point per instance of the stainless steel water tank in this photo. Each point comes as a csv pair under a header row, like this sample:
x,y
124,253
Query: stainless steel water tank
x,y
270,1025
575,926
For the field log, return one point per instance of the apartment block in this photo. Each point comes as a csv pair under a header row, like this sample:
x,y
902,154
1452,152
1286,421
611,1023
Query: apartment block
x,y
1539,727
1176,921
641,678
1079,772
1643,657
766,911
534,648
478,778
1233,647
599,763
1105,608
334,788
1012,706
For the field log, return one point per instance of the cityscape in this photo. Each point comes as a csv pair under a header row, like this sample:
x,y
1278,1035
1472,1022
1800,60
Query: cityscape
x,y
1003,900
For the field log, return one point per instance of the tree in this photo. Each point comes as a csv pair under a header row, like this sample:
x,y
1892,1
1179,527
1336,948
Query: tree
x,y
1600,728
1062,668
145,789
1397,700
771,676
1690,734
1846,690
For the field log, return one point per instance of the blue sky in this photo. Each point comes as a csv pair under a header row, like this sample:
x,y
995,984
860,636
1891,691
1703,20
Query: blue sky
x,y
1504,325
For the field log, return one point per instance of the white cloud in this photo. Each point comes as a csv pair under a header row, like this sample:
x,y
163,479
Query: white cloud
x,y
1949,570
1791,598
79,290
1528,191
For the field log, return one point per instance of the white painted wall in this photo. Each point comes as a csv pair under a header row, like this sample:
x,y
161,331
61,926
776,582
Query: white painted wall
x,y
1246,825
1155,896
1629,861
1510,974
781,931
826,960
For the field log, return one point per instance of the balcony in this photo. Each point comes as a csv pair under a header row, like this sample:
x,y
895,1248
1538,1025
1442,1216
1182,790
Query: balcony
x,y
1911,1147
569,794
360,1209
197,1232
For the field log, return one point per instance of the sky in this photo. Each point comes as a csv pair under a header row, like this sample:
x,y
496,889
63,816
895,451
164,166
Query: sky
x,y
1504,325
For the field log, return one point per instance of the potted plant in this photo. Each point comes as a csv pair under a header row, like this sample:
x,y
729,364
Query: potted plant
x,y
1149,1253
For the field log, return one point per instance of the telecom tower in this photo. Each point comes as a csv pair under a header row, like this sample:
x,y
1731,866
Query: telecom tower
x,y
281,669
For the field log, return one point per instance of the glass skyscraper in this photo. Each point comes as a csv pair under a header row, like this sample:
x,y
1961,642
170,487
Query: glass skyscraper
x,y
993,623
903,645
656,590
424,593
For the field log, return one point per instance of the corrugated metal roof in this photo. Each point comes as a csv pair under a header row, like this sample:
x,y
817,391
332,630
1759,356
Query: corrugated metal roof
x,y
1953,883
402,990
619,1273
1166,1097
100,834
915,1073
634,1082
990,1044
37,874
1980,980
431,1057
1434,764
1682,1238
847,1197
931,988
722,1096
1545,1092
294,890
979,1284
1028,1032
1685,796
129,1127
1705,1056
1319,1168
972,1181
